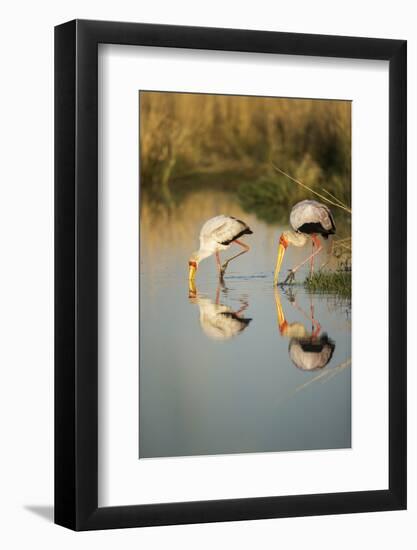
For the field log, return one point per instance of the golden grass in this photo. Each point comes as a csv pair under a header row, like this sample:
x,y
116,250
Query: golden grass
x,y
187,134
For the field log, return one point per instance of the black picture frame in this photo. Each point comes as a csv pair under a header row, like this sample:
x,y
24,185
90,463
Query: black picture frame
x,y
76,273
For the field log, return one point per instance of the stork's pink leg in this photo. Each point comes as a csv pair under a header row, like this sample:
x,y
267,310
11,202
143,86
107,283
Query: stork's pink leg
x,y
218,262
246,249
218,295
315,325
319,249
242,309
312,259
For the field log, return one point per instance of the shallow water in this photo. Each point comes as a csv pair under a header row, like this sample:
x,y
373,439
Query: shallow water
x,y
225,368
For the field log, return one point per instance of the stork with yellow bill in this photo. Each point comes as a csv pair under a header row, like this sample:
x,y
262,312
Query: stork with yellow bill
x,y
308,219
218,234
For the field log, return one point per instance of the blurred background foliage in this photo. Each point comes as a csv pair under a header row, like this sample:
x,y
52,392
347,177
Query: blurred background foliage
x,y
231,143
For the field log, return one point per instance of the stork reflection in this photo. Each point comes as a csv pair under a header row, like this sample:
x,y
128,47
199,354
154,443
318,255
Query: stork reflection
x,y
308,350
219,321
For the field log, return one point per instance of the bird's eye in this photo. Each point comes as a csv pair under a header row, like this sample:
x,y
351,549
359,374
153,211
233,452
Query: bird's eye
x,y
193,264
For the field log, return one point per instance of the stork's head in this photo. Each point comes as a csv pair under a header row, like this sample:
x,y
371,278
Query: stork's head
x,y
287,238
193,266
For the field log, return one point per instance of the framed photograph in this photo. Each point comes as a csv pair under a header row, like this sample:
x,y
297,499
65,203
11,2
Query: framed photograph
x,y
230,252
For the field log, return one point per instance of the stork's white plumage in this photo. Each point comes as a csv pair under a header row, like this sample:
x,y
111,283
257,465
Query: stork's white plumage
x,y
308,218
307,349
311,353
218,234
314,213
218,321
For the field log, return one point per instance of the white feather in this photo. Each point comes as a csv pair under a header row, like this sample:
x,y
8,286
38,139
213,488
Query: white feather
x,y
309,360
218,230
310,211
218,321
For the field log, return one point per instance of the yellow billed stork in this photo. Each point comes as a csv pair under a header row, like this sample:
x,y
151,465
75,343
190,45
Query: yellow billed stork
x,y
218,234
308,219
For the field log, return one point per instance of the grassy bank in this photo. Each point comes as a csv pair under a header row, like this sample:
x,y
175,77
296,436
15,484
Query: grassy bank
x,y
332,282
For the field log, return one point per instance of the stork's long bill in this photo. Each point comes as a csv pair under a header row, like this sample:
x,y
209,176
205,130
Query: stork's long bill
x,y
282,246
192,268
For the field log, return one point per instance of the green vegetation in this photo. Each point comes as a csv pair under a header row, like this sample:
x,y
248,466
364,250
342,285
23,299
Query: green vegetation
x,y
270,195
266,198
338,282
235,140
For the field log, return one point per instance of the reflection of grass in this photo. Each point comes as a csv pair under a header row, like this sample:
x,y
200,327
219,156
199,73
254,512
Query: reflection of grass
x,y
324,376
338,282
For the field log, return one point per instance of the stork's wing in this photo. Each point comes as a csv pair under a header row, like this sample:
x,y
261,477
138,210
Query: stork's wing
x,y
333,225
224,325
309,360
310,211
326,217
223,229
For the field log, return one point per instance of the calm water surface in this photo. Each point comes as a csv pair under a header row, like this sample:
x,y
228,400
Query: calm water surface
x,y
235,368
